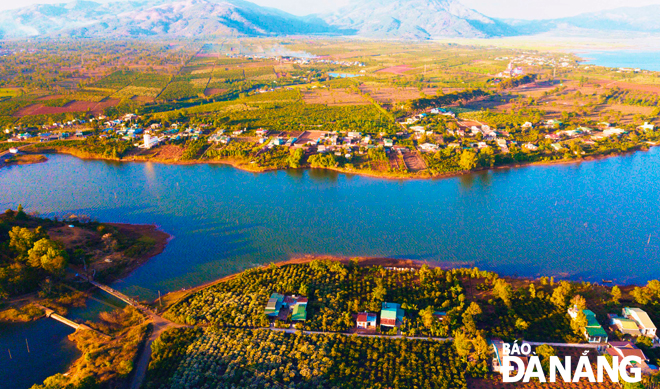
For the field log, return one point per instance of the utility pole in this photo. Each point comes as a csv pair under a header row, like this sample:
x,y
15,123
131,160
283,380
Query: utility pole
x,y
27,345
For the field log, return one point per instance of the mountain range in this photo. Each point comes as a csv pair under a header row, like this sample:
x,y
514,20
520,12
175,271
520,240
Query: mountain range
x,y
381,19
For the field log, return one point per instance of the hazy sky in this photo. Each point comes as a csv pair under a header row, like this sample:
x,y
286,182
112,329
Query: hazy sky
x,y
520,9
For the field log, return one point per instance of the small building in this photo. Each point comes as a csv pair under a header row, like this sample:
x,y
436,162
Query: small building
x,y
613,131
499,353
593,332
554,123
274,305
400,149
391,315
530,146
644,322
262,132
13,150
299,312
366,320
150,141
278,141
624,325
428,147
625,349
646,127
441,316
388,142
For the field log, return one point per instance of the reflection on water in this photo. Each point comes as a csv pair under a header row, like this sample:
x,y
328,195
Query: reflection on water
x,y
589,221
49,352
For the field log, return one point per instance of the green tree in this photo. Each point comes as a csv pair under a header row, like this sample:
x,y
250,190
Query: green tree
x,y
48,255
379,292
487,157
560,294
578,302
23,239
427,316
616,294
503,290
468,160
295,158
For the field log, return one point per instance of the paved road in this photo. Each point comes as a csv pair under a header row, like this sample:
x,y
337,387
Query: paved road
x,y
160,325
293,331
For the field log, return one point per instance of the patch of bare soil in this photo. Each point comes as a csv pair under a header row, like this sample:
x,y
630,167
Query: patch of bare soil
x,y
335,97
414,162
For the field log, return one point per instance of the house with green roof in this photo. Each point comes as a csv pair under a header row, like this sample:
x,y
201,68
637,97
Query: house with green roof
x,y
299,312
274,305
391,315
593,331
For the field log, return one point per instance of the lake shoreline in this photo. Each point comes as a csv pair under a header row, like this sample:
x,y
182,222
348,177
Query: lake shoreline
x,y
365,173
151,231
177,296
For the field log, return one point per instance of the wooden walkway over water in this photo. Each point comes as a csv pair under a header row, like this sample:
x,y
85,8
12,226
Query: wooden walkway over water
x,y
53,315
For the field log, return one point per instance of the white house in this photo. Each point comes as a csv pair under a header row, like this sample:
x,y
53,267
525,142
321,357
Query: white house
x,y
150,141
612,131
530,146
428,147
644,322
646,127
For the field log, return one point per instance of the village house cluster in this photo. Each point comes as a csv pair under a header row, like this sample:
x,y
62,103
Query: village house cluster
x,y
293,309
631,324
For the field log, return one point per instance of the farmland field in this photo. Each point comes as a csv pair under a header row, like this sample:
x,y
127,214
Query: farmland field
x,y
207,359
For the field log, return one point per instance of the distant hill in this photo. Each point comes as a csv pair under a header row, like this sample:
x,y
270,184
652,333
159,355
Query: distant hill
x,y
630,19
381,19
186,18
415,19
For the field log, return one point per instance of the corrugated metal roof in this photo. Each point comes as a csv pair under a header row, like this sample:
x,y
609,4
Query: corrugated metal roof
x,y
643,317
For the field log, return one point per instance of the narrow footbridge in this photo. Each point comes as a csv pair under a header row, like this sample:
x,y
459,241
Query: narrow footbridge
x,y
120,296
53,315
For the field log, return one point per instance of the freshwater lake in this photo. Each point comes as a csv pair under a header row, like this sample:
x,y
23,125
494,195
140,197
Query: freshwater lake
x,y
592,220
635,59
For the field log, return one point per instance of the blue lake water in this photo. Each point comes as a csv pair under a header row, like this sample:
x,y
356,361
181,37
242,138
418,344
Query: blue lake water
x,y
590,221
343,75
647,60
50,352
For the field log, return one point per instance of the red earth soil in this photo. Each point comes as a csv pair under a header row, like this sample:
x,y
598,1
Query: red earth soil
x,y
400,69
74,106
